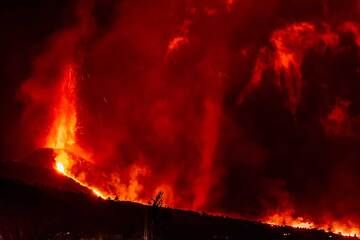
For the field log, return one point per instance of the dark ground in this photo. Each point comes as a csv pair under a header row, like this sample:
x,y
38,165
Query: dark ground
x,y
44,205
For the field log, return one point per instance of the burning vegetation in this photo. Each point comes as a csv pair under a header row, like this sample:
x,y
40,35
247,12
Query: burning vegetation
x,y
229,106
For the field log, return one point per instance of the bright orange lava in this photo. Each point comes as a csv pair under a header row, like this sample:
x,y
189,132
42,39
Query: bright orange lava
x,y
287,219
60,167
62,135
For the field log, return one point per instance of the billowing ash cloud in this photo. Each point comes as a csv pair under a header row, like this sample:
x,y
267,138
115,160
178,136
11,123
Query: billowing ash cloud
x,y
238,107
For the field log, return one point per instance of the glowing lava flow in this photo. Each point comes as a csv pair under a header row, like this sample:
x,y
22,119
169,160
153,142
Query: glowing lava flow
x,y
287,219
62,135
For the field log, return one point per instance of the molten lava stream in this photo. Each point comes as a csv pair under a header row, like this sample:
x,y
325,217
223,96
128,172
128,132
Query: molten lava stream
x,y
62,134
63,157
287,219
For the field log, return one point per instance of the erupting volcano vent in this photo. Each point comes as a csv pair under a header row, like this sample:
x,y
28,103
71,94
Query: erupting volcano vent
x,y
237,107
62,136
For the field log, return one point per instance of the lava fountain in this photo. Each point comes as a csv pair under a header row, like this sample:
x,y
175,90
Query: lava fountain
x,y
63,130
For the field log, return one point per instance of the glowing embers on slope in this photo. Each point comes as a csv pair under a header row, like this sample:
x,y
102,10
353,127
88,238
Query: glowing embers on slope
x,y
61,161
287,218
346,228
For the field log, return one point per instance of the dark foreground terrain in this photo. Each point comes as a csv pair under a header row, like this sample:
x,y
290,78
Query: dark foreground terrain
x,y
59,209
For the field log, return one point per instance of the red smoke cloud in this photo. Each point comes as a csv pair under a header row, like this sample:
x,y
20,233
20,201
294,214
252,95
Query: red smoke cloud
x,y
220,104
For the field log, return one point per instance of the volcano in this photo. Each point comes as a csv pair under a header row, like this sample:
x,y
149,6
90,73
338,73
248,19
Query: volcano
x,y
53,206
242,108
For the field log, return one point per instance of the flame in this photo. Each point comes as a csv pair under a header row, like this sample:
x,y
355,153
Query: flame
x,y
287,218
62,138
344,229
62,134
